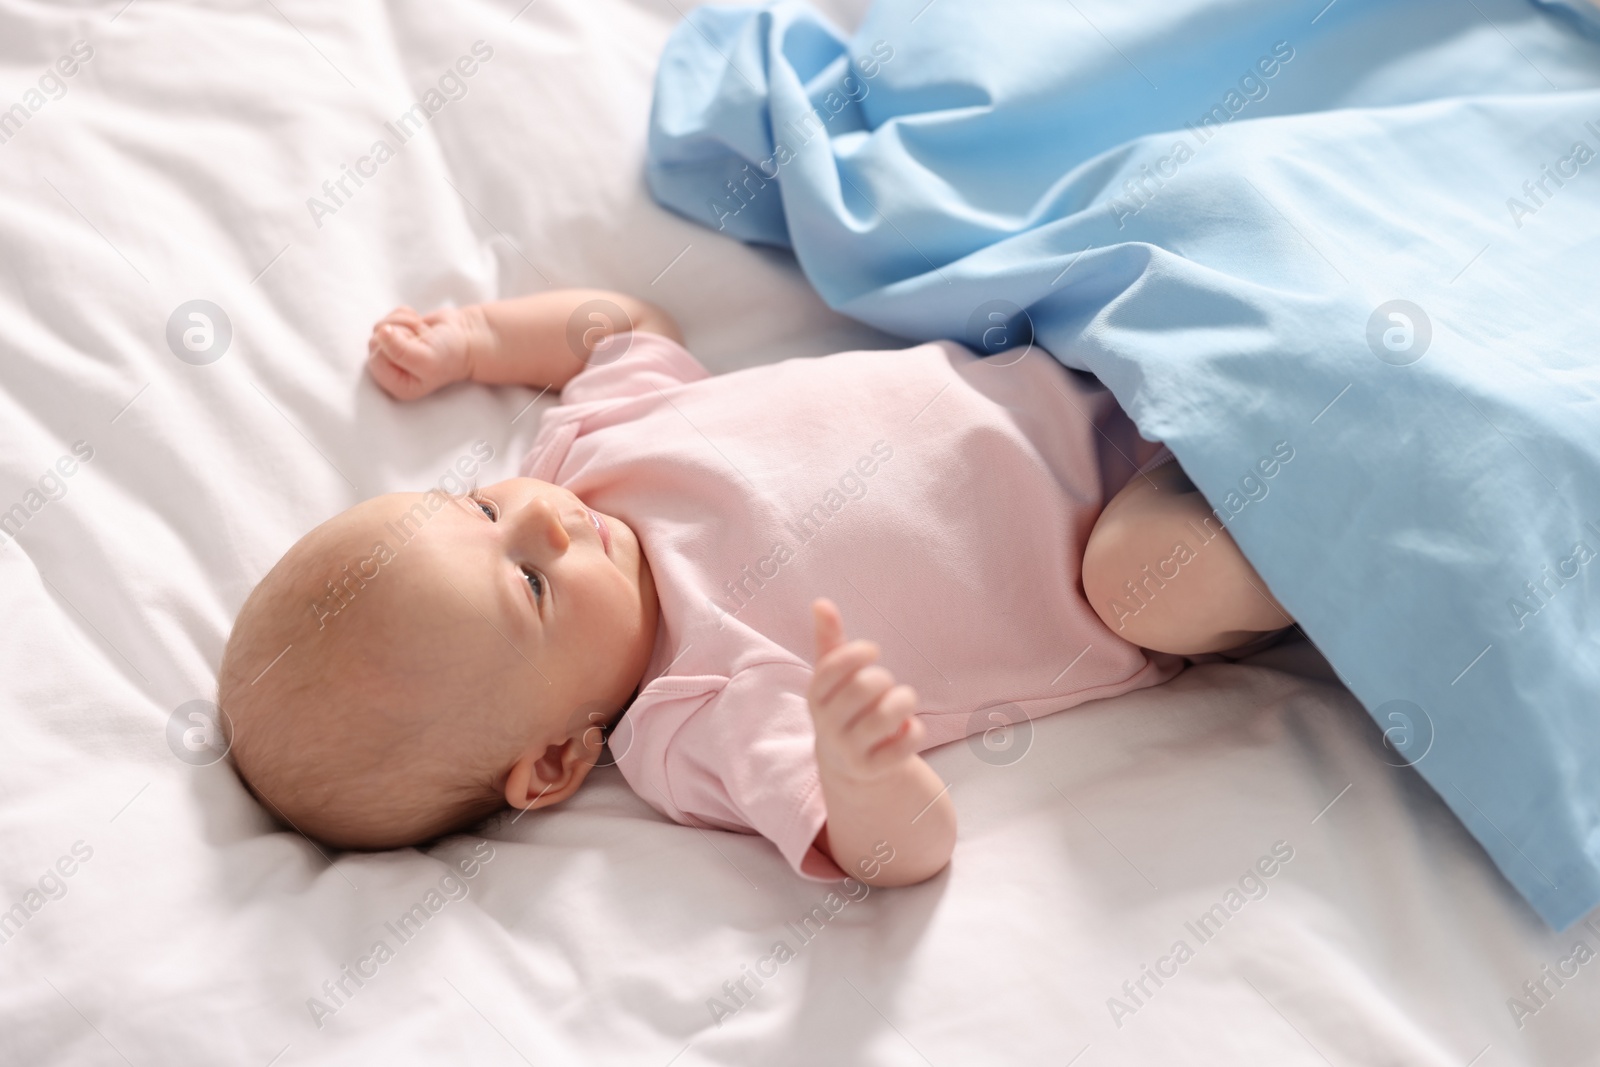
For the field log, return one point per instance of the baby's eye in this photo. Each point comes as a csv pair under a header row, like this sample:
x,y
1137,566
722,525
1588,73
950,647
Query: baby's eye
x,y
535,581
487,507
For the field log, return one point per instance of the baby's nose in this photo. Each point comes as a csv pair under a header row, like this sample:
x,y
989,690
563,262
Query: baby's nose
x,y
543,526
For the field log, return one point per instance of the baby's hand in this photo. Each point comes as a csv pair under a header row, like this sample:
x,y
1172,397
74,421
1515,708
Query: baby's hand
x,y
411,355
866,724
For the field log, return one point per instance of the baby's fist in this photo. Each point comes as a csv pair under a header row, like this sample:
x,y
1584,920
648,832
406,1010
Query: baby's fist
x,y
865,723
411,355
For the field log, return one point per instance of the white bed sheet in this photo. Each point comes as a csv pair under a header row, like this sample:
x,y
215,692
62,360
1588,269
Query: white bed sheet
x,y
177,165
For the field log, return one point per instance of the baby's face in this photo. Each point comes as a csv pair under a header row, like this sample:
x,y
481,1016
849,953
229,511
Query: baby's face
x,y
563,590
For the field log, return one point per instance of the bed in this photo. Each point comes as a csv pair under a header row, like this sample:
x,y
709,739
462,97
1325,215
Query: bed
x,y
1329,907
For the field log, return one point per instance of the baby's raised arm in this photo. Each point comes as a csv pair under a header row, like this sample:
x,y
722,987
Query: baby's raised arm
x,y
539,340
890,818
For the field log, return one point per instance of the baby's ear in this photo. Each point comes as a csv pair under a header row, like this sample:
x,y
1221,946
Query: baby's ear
x,y
542,778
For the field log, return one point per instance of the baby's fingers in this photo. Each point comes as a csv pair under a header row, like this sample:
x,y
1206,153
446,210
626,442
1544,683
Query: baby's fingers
x,y
401,316
889,755
393,378
836,669
829,626
406,349
858,696
902,730
883,718
405,366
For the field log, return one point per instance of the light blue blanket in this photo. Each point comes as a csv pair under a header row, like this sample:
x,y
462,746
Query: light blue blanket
x,y
1362,233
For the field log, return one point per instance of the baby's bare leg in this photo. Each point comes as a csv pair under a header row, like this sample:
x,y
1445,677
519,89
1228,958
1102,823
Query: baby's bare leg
x,y
1161,571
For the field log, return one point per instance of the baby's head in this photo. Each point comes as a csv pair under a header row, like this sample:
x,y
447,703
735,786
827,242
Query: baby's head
x,y
421,660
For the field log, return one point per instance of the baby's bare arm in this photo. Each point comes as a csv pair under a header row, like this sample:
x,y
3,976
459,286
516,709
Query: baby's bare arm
x,y
890,818
546,338
540,340
1161,572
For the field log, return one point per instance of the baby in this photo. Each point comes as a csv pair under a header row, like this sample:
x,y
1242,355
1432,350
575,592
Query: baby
x,y
647,585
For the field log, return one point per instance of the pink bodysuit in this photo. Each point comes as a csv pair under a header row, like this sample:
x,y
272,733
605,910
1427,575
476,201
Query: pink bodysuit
x,y
942,501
